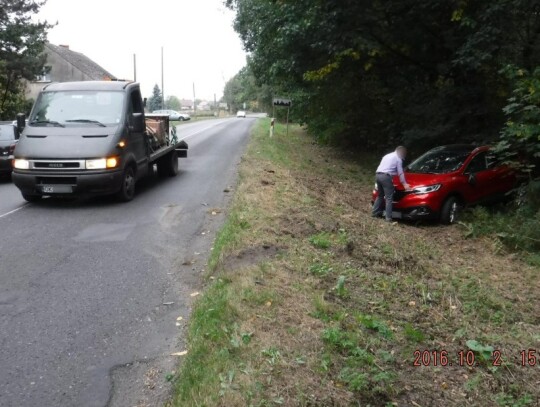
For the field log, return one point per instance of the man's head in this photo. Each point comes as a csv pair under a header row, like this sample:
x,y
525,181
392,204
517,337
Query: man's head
x,y
401,151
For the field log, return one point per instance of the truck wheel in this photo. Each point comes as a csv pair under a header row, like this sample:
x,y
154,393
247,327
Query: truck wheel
x,y
450,211
127,190
168,165
31,198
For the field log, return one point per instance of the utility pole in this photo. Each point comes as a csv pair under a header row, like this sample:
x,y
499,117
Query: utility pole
x,y
216,106
162,82
135,67
194,101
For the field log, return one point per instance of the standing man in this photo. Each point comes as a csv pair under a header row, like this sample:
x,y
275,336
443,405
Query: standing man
x,y
391,164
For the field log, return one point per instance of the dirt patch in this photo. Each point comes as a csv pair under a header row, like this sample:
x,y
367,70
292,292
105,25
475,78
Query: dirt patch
x,y
251,256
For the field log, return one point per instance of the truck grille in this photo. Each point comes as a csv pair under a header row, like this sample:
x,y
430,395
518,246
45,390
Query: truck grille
x,y
55,165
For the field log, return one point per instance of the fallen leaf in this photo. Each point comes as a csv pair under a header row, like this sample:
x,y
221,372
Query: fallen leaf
x,y
194,294
168,303
178,324
179,318
214,213
268,303
184,352
412,303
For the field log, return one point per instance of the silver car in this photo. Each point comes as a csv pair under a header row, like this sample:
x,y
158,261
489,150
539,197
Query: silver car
x,y
174,115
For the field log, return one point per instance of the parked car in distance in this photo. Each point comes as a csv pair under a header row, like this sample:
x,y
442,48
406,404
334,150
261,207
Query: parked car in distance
x,y
241,113
8,140
448,178
173,115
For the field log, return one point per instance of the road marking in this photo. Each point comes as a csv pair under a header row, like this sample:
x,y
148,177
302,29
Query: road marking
x,y
200,131
13,211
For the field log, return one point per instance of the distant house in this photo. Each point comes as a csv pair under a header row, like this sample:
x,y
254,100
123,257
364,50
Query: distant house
x,y
186,104
65,65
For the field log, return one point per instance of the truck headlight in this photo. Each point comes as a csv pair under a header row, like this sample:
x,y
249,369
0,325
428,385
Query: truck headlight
x,y
21,164
102,163
427,189
99,164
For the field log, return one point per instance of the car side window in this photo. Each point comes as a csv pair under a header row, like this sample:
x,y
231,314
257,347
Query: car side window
x,y
477,164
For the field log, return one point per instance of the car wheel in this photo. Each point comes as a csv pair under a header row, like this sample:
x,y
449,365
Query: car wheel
x,y
31,198
450,211
127,190
168,165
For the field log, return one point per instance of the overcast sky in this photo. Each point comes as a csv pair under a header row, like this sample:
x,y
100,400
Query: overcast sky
x,y
199,42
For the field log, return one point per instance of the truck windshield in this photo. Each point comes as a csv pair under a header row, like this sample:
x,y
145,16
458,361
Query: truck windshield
x,y
76,108
439,161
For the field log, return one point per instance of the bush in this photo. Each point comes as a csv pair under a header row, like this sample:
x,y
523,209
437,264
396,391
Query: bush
x,y
516,225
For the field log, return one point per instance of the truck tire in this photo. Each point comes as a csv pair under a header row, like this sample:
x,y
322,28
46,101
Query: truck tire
x,y
127,190
167,165
450,210
31,198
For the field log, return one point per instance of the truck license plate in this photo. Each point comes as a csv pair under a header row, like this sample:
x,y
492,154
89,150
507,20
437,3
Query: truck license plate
x,y
56,189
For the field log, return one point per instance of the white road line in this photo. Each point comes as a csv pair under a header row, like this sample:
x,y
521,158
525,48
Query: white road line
x,y
180,137
13,211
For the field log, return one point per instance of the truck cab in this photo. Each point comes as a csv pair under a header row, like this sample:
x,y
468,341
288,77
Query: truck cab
x,y
90,138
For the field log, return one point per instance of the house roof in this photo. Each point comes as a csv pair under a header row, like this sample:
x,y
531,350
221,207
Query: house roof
x,y
81,62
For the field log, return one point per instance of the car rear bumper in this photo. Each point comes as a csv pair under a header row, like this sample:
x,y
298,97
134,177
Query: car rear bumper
x,y
67,184
5,165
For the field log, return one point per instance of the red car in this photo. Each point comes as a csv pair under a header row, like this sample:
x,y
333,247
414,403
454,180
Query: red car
x,y
447,178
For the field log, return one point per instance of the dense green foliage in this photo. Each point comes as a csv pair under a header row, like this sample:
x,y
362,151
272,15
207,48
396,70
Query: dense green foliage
x,y
21,46
520,137
243,88
372,73
156,100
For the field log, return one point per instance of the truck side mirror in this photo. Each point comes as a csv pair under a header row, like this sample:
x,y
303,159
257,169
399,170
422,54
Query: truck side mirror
x,y
137,122
21,123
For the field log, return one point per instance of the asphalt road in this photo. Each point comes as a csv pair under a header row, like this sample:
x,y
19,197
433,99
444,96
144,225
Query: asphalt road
x,y
90,291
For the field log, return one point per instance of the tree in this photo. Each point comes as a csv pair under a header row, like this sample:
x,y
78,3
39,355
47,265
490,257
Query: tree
x,y
156,101
399,71
21,51
520,137
173,103
243,88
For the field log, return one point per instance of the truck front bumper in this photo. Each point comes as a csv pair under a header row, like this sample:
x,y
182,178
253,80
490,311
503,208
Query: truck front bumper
x,y
67,184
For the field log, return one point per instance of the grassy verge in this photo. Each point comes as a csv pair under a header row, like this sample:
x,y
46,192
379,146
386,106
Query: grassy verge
x,y
311,302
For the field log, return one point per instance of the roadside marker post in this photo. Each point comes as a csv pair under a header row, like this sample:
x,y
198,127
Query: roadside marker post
x,y
272,122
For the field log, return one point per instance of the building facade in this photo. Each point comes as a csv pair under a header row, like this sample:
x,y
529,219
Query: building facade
x,y
65,65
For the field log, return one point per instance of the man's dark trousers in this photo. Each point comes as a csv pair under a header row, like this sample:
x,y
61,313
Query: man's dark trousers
x,y
385,186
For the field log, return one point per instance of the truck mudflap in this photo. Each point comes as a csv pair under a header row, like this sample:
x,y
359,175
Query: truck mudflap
x,y
182,149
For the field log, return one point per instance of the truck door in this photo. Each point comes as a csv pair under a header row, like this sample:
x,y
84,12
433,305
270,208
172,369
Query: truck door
x,y
136,138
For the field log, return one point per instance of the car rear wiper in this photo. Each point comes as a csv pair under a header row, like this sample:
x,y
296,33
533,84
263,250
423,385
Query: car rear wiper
x,y
54,123
86,121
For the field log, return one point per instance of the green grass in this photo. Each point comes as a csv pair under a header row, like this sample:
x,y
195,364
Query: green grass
x,y
335,318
